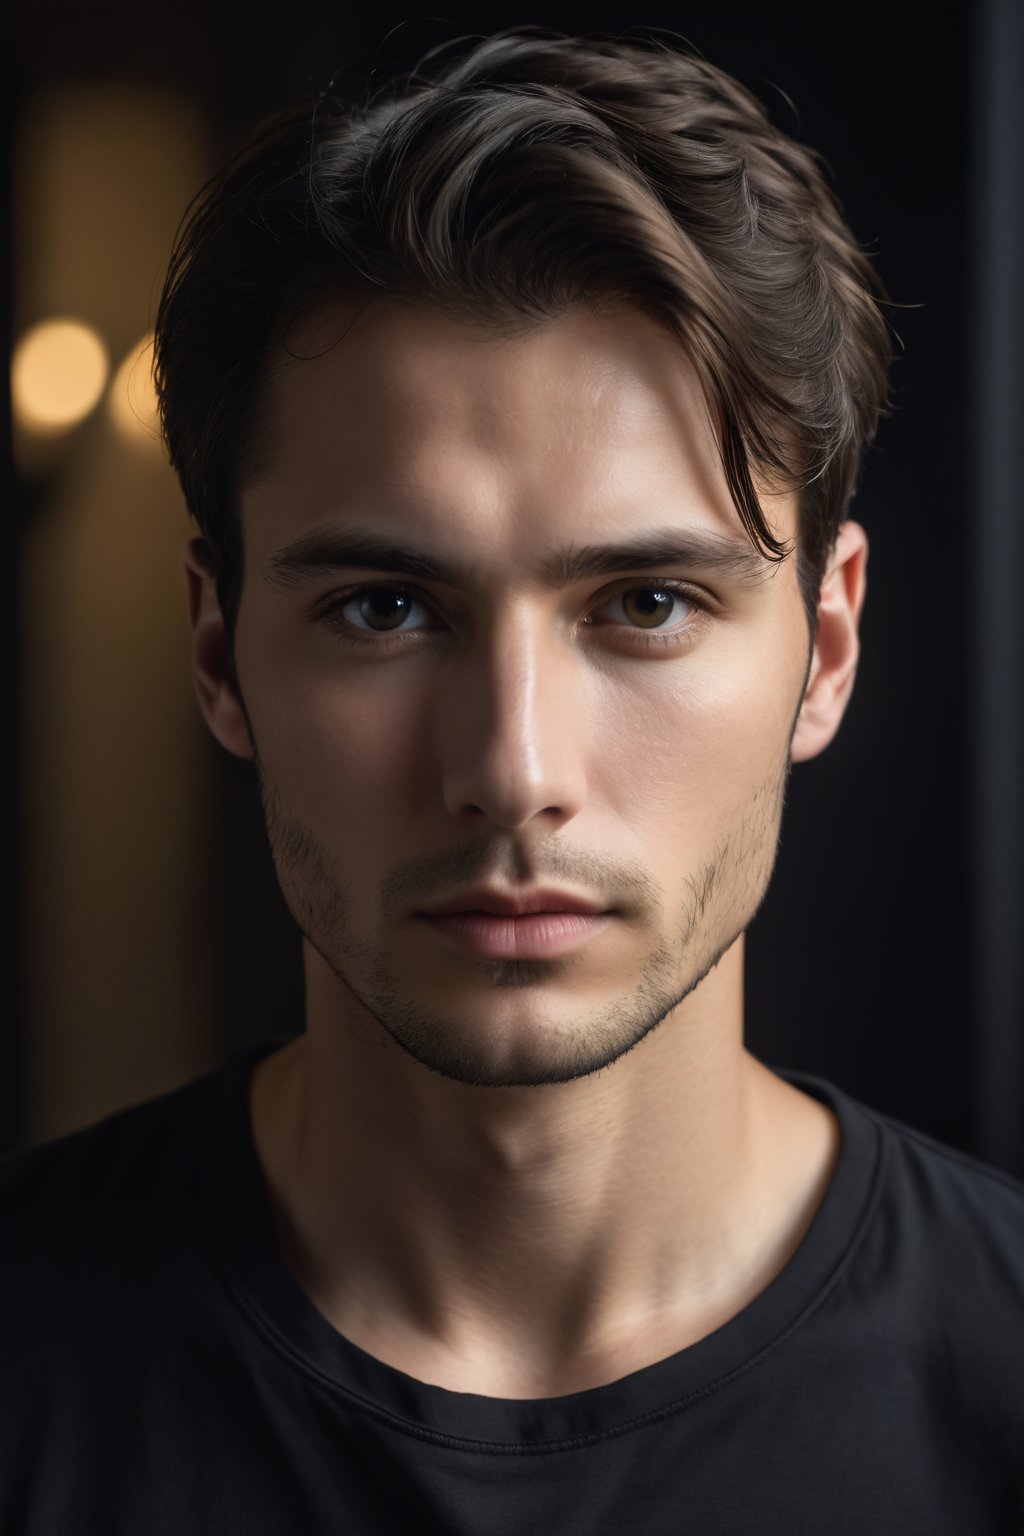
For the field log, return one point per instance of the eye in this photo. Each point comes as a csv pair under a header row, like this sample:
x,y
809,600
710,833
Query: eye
x,y
651,605
375,614
382,607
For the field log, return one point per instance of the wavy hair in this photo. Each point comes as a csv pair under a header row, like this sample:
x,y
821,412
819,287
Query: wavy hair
x,y
504,182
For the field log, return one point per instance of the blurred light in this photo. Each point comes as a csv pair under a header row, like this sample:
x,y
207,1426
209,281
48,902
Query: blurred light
x,y
57,375
133,403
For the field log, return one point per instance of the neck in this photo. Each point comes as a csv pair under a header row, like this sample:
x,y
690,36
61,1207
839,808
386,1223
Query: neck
x,y
532,1241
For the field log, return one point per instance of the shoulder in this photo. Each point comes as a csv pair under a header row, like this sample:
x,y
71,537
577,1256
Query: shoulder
x,y
106,1167
945,1192
107,1211
933,1244
101,1253
103,1210
913,1197
919,1320
939,1269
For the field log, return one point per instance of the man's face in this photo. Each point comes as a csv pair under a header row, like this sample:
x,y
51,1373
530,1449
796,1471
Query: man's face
x,y
625,735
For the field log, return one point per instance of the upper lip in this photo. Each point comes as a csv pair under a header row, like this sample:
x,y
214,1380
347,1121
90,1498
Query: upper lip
x,y
510,904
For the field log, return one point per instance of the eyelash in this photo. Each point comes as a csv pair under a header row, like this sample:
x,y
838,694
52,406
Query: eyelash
x,y
351,635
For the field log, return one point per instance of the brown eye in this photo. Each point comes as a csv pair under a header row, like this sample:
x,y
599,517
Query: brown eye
x,y
653,606
650,607
377,610
383,608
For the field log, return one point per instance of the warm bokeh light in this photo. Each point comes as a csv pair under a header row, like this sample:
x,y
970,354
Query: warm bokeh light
x,y
133,404
57,375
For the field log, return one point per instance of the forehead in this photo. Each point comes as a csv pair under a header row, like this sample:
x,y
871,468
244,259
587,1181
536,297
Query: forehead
x,y
574,421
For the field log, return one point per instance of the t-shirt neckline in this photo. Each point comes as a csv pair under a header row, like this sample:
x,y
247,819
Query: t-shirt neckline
x,y
241,1233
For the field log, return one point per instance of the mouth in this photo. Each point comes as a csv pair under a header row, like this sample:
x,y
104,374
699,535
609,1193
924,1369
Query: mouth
x,y
523,936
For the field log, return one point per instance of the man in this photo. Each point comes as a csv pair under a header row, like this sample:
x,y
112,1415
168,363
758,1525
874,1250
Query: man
x,y
520,413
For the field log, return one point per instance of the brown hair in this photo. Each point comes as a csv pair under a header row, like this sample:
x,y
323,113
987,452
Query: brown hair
x,y
531,172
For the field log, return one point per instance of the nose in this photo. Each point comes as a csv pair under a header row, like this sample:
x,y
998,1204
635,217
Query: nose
x,y
514,737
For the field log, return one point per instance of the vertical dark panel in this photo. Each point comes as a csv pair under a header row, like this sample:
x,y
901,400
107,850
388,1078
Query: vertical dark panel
x,y
11,1012
997,523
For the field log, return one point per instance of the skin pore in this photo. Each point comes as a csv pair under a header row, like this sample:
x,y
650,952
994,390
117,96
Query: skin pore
x,y
522,1178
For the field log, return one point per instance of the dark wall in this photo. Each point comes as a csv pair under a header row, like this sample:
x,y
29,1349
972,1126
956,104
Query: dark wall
x,y
861,963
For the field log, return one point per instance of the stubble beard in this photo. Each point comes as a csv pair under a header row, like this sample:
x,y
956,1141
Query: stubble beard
x,y
720,900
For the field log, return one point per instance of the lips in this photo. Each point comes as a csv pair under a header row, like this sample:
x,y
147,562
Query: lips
x,y
507,904
543,935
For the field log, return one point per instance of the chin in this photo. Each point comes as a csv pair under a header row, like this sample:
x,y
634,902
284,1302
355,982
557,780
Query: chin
x,y
513,1057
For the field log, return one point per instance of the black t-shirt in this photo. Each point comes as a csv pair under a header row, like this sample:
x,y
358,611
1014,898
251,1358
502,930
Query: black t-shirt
x,y
161,1371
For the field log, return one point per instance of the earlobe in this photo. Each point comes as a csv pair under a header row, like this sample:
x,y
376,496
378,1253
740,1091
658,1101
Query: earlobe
x,y
836,647
211,653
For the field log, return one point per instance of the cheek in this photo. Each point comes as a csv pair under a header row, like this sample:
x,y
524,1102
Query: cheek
x,y
686,756
335,753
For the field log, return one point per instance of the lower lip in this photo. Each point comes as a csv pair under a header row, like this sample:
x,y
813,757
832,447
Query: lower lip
x,y
519,938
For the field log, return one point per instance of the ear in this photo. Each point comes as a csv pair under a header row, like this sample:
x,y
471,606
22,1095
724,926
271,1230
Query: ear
x,y
212,674
836,645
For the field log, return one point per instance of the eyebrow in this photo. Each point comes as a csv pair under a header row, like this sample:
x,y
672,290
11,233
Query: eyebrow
x,y
367,549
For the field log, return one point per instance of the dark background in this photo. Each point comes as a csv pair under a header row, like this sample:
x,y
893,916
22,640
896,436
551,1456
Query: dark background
x,y
875,961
